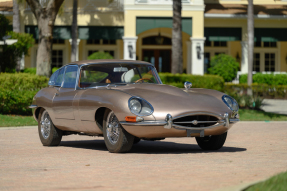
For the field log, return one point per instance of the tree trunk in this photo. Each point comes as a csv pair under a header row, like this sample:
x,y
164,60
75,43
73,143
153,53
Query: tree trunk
x,y
46,17
45,44
176,38
16,27
74,31
250,44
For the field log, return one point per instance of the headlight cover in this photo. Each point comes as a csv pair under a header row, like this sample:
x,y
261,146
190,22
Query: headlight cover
x,y
230,102
140,107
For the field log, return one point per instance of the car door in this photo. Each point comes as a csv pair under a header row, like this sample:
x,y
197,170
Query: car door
x,y
64,97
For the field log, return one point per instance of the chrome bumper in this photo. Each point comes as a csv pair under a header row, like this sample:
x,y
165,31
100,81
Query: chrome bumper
x,y
168,123
33,106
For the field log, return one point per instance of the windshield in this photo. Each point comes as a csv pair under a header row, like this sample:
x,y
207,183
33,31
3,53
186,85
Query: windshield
x,y
117,73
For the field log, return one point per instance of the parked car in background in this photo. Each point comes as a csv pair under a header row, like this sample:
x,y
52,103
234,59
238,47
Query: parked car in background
x,y
125,101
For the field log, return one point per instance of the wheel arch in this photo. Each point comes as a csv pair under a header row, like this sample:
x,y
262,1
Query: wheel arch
x,y
37,112
99,116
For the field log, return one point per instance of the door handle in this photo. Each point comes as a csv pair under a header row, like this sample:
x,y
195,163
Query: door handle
x,y
56,94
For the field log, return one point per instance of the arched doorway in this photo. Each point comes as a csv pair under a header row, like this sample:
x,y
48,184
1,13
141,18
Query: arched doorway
x,y
157,50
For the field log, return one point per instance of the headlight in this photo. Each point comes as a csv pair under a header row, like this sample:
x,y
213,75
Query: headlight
x,y
140,106
230,102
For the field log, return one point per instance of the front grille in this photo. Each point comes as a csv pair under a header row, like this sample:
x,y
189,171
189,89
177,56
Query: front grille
x,y
196,121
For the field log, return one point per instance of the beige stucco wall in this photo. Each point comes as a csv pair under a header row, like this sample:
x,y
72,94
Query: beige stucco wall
x,y
130,20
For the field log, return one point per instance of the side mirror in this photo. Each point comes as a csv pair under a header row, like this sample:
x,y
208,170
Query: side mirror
x,y
187,85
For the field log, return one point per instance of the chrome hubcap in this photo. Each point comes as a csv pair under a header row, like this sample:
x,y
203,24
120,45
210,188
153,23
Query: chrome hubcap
x,y
45,125
113,131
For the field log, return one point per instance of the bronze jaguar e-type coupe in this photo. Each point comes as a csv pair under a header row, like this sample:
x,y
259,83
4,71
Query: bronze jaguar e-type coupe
x,y
125,101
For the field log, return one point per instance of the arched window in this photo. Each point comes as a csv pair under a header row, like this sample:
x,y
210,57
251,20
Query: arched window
x,y
156,40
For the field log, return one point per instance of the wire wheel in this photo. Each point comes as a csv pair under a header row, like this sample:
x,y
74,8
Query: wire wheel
x,y
113,131
45,124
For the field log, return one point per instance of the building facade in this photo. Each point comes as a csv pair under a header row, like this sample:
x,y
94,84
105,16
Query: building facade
x,y
142,30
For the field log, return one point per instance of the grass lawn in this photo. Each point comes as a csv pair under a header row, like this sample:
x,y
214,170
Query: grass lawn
x,y
277,182
245,115
255,115
16,120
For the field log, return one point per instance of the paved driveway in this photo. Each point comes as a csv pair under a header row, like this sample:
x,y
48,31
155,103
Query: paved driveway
x,y
253,151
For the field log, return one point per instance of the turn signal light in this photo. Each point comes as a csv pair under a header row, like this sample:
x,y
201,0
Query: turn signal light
x,y
133,119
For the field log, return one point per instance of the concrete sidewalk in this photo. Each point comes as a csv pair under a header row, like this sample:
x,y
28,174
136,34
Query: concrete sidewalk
x,y
275,106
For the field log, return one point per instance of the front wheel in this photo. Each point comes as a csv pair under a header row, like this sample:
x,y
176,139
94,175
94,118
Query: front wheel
x,y
212,142
48,133
117,139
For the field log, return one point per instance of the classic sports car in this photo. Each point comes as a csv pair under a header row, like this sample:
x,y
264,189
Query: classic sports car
x,y
125,101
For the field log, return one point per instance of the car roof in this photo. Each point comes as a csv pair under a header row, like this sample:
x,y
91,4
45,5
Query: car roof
x,y
105,61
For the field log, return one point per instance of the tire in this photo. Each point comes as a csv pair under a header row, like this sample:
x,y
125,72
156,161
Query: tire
x,y
48,133
213,142
137,140
117,139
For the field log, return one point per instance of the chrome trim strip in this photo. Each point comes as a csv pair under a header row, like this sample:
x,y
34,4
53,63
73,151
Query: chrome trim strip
x,y
197,128
145,123
233,120
200,113
33,106
197,122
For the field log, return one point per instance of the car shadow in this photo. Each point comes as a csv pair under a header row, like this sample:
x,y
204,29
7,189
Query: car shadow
x,y
150,147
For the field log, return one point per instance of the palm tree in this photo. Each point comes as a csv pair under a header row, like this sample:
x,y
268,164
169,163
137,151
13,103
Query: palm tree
x,y
250,28
16,26
45,13
74,31
176,38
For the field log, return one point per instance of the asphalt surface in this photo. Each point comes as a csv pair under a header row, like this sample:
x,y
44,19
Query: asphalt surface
x,y
253,151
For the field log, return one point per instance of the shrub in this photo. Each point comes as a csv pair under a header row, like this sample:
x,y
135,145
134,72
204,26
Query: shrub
x,y
259,90
22,81
224,66
10,54
17,91
30,70
270,79
206,81
100,55
54,69
16,101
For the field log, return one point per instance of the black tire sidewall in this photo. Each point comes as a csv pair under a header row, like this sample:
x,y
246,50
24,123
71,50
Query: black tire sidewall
x,y
55,135
124,142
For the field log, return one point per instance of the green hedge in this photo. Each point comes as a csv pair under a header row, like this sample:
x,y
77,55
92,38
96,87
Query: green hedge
x,y
206,81
17,92
22,81
269,79
262,90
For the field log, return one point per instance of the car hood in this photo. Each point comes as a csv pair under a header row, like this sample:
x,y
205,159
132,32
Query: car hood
x,y
175,101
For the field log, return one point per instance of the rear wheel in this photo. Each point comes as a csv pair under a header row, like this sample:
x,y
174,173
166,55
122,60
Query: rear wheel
x,y
48,133
212,142
117,139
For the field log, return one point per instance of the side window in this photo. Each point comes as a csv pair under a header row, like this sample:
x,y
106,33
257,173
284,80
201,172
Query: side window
x,y
70,77
53,78
59,78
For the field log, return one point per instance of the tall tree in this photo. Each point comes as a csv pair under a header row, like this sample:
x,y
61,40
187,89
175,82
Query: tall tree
x,y
74,31
250,28
16,27
176,38
45,14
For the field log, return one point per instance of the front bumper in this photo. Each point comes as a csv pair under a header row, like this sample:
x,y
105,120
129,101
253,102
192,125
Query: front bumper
x,y
223,124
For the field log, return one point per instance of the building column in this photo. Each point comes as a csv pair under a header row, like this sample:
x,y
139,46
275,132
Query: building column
x,y
77,53
188,60
197,55
130,47
244,57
